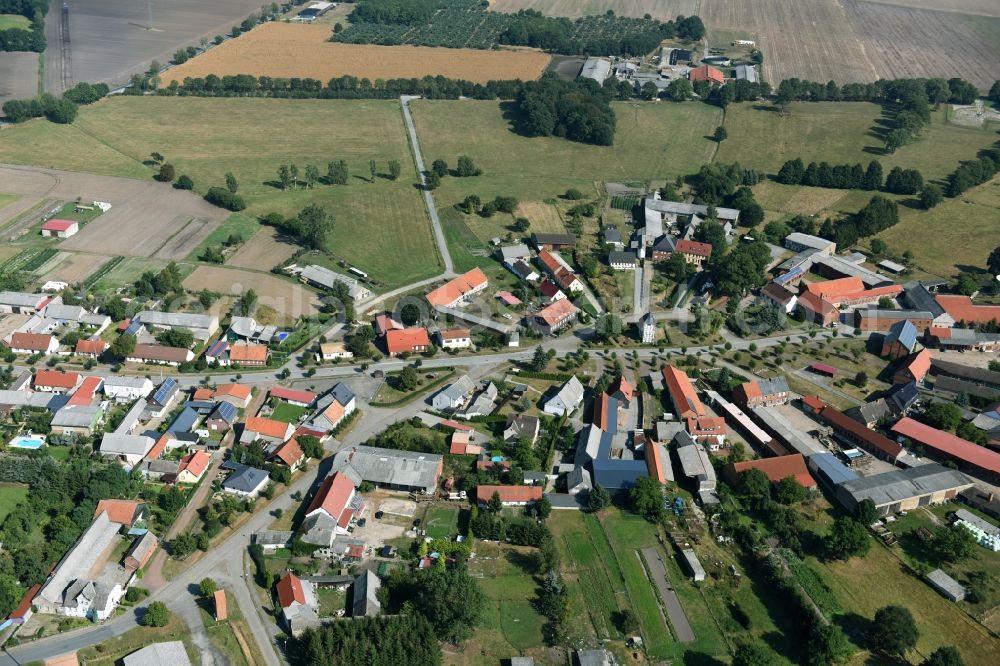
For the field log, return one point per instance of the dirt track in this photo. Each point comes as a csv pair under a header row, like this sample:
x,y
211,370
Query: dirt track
x,y
146,219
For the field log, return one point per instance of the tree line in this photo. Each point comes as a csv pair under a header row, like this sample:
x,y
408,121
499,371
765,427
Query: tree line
x,y
20,39
850,176
60,110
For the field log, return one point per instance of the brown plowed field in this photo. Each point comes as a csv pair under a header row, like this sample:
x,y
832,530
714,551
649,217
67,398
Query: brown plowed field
x,y
146,218
808,39
262,251
904,42
294,50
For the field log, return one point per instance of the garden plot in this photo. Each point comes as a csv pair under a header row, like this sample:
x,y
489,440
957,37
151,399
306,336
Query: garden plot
x,y
72,267
266,248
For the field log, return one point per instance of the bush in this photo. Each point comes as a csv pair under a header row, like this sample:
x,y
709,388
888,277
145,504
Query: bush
x,y
184,182
223,198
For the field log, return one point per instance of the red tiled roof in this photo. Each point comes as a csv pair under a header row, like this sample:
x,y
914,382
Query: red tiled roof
x,y
694,247
267,427
961,308
355,550
707,425
824,368
939,332
221,611
84,395
456,334
203,394
813,402
840,421
289,453
385,322
31,341
682,393
508,298
119,511
247,353
196,463
949,444
601,411
333,496
749,390
706,73
59,225
239,391
454,289
293,395
509,493
56,379
290,590
90,347
405,340
622,386
654,462
834,288
25,605
817,304
549,261
778,468
158,448
917,364
557,312
549,288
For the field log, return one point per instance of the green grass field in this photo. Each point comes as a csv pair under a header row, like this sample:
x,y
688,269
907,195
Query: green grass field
x,y
841,132
653,141
959,232
441,522
205,138
510,625
288,412
14,21
10,495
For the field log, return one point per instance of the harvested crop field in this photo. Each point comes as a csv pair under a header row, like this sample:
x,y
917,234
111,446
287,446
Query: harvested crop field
x,y
295,50
284,296
808,39
658,9
112,39
903,42
72,267
855,40
265,249
146,218
18,75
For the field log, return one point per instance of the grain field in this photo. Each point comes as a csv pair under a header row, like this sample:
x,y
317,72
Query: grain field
x,y
294,50
905,42
808,39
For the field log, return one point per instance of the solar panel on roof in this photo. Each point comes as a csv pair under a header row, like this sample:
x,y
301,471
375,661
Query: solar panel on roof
x,y
166,388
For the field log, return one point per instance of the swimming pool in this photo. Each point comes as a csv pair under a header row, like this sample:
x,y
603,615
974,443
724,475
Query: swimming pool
x,y
27,441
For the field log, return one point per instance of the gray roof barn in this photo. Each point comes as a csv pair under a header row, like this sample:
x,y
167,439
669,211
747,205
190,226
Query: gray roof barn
x,y
745,73
597,69
389,467
366,603
946,585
